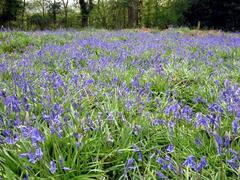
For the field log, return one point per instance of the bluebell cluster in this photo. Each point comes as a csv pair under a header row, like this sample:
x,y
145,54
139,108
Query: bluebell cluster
x,y
101,85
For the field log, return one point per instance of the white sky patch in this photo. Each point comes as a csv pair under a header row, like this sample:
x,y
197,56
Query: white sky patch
x,y
71,2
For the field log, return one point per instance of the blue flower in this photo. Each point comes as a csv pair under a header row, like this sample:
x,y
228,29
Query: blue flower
x,y
172,168
66,169
201,120
162,162
1,121
187,113
215,108
37,136
226,140
161,175
219,143
62,167
136,129
25,177
90,81
233,152
234,163
129,163
53,167
129,166
122,117
32,158
171,126
137,150
110,139
158,122
170,148
23,155
227,83
198,142
174,109
190,161
202,164
30,155
235,126
10,140
91,125
39,153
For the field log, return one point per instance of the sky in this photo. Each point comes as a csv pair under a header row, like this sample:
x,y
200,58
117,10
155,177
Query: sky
x,y
38,9
70,1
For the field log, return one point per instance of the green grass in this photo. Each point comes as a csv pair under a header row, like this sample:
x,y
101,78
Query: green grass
x,y
121,100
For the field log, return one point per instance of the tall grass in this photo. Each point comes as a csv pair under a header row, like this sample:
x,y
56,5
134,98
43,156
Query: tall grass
x,y
119,105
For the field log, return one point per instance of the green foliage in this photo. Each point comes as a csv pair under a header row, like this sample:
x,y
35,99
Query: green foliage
x,y
97,157
54,8
115,14
38,21
19,41
9,11
106,14
16,41
161,14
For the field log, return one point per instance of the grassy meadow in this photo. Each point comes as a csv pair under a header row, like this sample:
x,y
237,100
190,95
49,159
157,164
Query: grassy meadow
x,y
127,104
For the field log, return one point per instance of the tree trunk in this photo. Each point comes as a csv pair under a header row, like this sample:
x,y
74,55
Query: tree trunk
x,y
65,7
66,17
124,18
43,8
139,15
54,14
84,20
132,13
85,11
23,13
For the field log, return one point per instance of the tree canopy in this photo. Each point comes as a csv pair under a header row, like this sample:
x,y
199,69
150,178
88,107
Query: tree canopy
x,y
116,14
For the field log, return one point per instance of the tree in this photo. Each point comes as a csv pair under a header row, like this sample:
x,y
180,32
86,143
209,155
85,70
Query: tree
x,y
86,7
36,15
65,8
224,14
1,8
53,9
23,12
10,11
133,13
100,10
38,21
42,4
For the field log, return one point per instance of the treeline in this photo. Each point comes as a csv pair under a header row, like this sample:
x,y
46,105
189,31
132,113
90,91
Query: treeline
x,y
117,14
